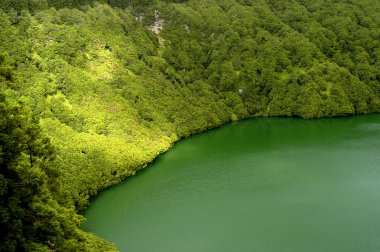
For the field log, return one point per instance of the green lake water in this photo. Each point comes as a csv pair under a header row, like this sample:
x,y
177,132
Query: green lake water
x,y
265,185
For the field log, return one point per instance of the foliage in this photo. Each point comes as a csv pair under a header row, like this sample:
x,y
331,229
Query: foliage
x,y
111,94
31,218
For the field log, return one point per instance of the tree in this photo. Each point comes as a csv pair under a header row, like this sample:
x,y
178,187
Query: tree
x,y
31,218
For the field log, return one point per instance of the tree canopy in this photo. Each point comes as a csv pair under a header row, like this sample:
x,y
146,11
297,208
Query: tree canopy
x,y
92,91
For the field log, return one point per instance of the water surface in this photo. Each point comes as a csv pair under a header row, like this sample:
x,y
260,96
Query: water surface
x,y
256,185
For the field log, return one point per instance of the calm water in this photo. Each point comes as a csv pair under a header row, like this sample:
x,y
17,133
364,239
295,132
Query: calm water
x,y
258,185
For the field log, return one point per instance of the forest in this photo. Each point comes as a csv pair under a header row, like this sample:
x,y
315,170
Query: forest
x,y
93,91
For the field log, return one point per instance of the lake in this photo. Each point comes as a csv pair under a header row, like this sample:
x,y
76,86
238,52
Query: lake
x,y
266,184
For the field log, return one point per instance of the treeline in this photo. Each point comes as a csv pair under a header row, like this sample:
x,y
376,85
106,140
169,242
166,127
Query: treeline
x,y
110,94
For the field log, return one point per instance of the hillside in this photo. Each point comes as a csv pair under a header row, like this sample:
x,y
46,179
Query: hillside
x,y
112,86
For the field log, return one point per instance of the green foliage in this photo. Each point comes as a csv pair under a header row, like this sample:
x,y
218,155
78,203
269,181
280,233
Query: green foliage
x,y
115,86
31,218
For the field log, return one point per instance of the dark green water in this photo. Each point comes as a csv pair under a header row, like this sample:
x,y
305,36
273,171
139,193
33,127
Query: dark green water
x,y
258,185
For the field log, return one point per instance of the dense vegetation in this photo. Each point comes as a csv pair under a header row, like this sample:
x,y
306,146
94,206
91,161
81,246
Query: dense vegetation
x,y
114,83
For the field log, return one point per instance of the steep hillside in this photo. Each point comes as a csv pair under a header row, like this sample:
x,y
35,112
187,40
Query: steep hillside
x,y
114,86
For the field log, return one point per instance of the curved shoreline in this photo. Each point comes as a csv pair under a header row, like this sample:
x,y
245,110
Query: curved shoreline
x,y
142,167
156,175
